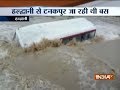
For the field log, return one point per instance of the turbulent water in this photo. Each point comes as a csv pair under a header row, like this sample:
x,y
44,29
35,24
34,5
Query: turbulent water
x,y
108,52
62,68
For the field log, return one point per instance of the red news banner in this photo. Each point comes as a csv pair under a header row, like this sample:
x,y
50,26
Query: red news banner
x,y
14,3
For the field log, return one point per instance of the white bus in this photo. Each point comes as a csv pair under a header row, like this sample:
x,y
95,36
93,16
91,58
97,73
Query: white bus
x,y
80,28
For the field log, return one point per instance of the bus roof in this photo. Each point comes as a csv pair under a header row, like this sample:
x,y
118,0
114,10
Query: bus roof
x,y
52,30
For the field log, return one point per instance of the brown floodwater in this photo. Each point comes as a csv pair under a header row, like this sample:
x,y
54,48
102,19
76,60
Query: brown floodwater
x,y
50,65
108,52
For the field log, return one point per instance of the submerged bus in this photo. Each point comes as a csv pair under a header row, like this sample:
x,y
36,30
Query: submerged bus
x,y
79,28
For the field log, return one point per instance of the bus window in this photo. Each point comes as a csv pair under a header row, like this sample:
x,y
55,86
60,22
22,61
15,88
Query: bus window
x,y
78,38
82,37
92,34
65,41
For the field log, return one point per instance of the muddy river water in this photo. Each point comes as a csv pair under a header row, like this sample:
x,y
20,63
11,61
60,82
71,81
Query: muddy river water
x,y
108,52
56,65
52,66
